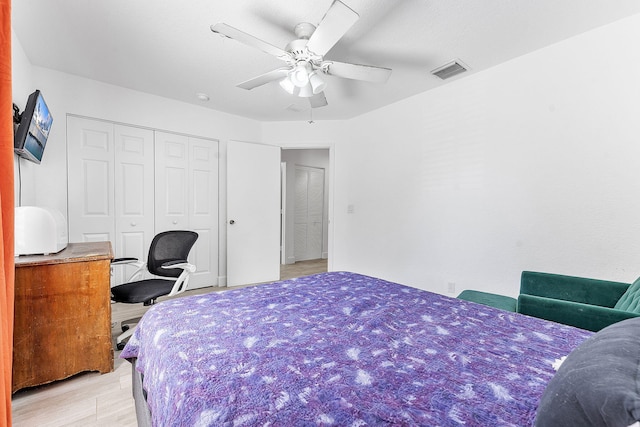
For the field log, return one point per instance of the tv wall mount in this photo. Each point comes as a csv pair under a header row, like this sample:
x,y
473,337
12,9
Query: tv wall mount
x,y
17,115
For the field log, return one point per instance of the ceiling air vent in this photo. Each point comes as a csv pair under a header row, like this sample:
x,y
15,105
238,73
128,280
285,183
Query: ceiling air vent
x,y
295,108
451,69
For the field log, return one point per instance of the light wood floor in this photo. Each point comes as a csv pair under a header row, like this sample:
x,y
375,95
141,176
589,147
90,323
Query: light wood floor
x,y
91,399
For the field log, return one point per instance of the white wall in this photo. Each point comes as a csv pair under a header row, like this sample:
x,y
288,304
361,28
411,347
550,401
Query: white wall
x,y
22,86
46,184
529,165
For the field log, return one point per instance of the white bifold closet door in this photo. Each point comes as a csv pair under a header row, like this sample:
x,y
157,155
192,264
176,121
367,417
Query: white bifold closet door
x,y
127,183
111,188
186,180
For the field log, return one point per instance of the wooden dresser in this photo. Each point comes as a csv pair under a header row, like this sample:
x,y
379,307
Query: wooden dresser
x,y
62,314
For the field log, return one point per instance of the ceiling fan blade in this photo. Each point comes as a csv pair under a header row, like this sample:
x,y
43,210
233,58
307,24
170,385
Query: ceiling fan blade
x,y
336,22
368,73
264,78
248,39
318,100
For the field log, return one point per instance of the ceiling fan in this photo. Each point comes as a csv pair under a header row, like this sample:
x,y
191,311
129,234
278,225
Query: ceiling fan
x,y
305,56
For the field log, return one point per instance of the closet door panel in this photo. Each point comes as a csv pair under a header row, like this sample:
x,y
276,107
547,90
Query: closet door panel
x,y
134,194
90,168
175,186
171,178
96,176
203,209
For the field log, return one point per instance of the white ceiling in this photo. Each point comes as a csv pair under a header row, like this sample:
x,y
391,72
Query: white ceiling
x,y
166,47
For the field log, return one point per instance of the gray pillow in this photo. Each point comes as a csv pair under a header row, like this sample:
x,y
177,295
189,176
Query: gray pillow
x,y
598,383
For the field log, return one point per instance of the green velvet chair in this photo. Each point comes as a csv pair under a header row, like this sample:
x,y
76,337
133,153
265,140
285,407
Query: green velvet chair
x,y
492,300
589,304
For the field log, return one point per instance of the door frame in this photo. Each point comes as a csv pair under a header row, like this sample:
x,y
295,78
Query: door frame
x,y
283,211
330,198
222,217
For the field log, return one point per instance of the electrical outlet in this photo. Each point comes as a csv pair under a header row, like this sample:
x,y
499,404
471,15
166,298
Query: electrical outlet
x,y
451,287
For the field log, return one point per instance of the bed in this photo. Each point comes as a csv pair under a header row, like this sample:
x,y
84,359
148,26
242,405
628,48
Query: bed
x,y
341,349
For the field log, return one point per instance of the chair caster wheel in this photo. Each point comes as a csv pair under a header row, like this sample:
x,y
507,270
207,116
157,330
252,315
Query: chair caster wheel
x,y
120,345
125,328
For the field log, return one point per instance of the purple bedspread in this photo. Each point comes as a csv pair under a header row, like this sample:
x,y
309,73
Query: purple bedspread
x,y
346,350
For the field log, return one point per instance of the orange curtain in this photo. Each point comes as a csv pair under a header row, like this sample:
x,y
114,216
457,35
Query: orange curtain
x,y
7,205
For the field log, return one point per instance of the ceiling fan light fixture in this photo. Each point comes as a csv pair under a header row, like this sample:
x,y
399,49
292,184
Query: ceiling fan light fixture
x,y
287,85
306,91
317,84
300,75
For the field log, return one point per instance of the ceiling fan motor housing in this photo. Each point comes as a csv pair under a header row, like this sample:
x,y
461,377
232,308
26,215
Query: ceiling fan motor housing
x,y
304,30
298,48
300,53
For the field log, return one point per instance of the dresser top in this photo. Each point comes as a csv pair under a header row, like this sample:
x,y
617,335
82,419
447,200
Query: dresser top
x,y
74,252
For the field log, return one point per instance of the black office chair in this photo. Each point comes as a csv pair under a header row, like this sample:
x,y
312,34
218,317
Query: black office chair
x,y
167,258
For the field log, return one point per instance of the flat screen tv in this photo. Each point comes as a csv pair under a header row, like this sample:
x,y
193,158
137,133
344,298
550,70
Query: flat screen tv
x,y
33,128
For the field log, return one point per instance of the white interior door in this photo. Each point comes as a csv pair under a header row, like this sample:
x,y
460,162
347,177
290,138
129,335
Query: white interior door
x,y
127,183
187,197
253,213
309,209
134,195
110,186
203,210
90,169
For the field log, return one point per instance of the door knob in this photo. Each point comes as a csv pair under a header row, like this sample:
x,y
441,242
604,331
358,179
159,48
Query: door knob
x,y
133,224
232,222
175,222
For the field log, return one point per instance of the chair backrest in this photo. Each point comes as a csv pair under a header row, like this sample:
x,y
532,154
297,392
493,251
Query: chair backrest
x,y
169,246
